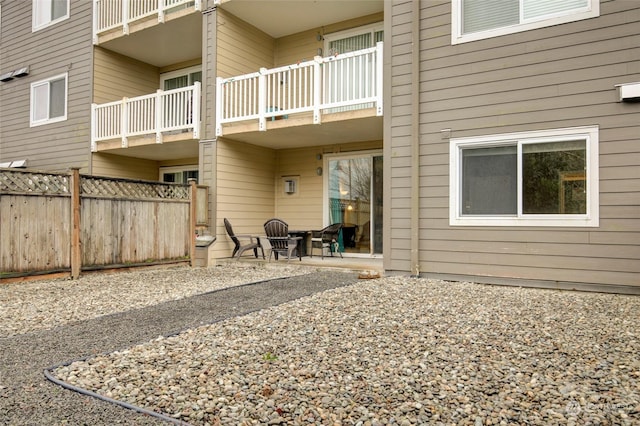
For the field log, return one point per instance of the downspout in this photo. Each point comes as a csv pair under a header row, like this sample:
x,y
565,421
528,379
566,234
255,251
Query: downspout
x,y
415,140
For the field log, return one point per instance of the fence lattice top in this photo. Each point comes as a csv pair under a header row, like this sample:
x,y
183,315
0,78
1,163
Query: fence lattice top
x,y
22,181
34,182
106,187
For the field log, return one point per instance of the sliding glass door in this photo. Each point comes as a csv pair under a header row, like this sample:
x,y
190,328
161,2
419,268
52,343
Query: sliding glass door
x,y
354,198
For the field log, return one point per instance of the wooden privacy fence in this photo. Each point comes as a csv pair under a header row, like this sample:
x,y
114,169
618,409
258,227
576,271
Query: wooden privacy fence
x,y
59,222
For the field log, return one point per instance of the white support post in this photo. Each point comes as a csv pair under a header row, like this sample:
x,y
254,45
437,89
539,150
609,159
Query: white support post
x,y
94,144
159,116
262,100
195,110
125,17
161,11
379,79
124,123
96,12
317,89
219,95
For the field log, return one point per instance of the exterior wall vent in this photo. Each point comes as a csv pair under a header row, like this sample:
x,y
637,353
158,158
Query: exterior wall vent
x,y
628,92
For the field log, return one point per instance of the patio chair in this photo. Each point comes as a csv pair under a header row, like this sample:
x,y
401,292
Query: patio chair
x,y
327,238
243,242
277,232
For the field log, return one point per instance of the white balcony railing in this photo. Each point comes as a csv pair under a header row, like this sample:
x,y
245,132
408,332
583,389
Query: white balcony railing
x,y
153,114
331,84
111,14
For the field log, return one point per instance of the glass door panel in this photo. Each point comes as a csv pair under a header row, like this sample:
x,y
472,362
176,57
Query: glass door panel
x,y
355,200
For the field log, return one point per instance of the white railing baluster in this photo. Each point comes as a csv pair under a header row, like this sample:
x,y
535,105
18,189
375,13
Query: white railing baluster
x,y
352,80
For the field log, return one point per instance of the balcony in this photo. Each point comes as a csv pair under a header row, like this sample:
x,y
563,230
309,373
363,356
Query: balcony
x,y
308,92
164,116
109,15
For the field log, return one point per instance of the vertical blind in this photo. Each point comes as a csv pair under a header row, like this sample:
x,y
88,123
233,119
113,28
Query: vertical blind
x,y
481,15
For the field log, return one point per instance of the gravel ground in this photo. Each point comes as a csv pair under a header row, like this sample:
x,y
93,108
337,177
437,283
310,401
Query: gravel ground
x,y
313,349
64,320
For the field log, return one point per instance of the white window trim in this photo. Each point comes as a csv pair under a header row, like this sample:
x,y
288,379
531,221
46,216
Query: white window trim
x,y
592,11
35,27
34,123
175,169
370,28
178,73
590,219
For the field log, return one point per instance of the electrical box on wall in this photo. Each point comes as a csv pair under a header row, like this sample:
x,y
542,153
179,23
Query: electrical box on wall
x,y
290,185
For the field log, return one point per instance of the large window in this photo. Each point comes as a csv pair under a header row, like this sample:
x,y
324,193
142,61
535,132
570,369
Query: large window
x,y
48,12
181,78
478,19
543,178
49,100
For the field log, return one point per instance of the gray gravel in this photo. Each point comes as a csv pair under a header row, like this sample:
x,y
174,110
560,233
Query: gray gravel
x,y
27,398
313,349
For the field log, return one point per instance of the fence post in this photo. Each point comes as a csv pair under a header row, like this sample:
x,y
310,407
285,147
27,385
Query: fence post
x,y
76,257
192,221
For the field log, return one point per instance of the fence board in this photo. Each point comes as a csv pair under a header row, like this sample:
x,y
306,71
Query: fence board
x,y
122,222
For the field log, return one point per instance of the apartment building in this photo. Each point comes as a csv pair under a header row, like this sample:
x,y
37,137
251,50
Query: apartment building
x,y
519,160
463,139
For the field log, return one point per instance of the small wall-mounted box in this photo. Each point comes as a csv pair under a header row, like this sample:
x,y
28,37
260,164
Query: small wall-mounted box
x,y
628,92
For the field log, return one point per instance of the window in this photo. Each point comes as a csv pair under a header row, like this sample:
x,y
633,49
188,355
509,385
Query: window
x,y
479,19
178,174
49,100
181,78
542,178
48,12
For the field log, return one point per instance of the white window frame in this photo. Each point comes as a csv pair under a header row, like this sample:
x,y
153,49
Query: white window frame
x,y
41,3
179,73
176,169
32,121
589,219
591,11
370,28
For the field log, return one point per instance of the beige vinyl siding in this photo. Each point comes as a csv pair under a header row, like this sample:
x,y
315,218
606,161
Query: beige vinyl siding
x,y
561,76
52,51
123,167
241,48
245,190
304,46
304,210
398,113
117,76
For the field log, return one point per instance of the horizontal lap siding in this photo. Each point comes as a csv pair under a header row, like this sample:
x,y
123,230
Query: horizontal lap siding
x,y
245,190
117,76
48,52
398,154
561,76
241,47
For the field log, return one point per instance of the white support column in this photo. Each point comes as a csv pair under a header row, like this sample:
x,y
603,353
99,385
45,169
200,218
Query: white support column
x,y
125,16
124,123
161,11
219,94
262,100
159,116
94,144
96,14
195,110
379,78
317,89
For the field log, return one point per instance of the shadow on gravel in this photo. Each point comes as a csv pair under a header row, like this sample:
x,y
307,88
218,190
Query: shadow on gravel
x,y
27,398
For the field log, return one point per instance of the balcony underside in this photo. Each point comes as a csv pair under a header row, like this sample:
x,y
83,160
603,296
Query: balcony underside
x,y
180,145
299,130
176,40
